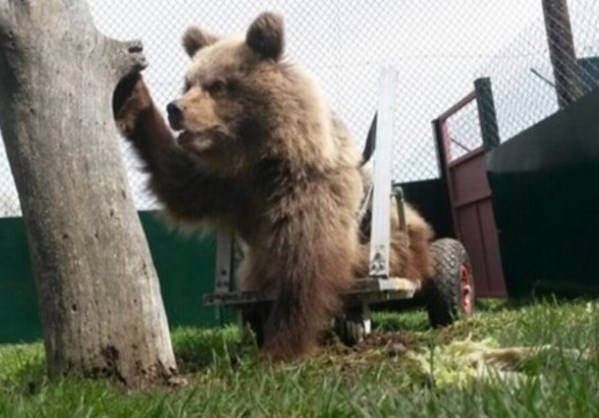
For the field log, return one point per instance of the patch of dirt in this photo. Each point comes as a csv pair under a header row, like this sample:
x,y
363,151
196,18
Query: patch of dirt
x,y
375,346
392,342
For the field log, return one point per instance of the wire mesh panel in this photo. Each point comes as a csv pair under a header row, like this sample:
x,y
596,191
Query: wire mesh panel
x,y
559,46
438,47
464,131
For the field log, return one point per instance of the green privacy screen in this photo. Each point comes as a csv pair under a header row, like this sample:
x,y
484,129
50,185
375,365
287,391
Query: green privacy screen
x,y
185,266
545,185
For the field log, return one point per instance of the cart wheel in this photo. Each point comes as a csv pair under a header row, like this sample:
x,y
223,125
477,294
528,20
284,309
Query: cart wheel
x,y
450,292
352,327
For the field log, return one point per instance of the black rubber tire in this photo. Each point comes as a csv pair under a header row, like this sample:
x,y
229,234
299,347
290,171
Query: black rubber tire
x,y
443,291
351,332
350,328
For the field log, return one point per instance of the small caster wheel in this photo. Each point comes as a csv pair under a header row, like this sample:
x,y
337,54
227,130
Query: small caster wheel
x,y
352,327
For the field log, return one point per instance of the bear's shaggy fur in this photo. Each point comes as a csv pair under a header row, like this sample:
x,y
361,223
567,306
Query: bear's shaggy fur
x,y
260,152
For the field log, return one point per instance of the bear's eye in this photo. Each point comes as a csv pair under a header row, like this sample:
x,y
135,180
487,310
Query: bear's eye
x,y
216,87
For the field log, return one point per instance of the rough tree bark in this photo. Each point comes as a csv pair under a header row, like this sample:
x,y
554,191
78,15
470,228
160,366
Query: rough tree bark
x,y
99,296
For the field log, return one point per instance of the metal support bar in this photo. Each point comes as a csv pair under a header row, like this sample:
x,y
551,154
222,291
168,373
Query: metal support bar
x,y
224,249
367,289
380,232
366,321
370,145
401,208
462,103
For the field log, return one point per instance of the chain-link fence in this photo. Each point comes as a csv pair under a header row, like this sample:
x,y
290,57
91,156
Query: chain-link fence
x,y
438,46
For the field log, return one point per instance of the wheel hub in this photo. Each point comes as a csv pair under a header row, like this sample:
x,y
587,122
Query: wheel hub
x,y
466,289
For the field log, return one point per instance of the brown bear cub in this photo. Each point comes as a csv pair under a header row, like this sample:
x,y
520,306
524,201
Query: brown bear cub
x,y
259,151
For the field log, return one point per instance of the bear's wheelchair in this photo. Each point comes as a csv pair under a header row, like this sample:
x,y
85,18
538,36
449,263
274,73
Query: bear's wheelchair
x,y
447,295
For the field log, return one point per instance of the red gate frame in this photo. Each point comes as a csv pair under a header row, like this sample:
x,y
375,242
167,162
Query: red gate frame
x,y
489,282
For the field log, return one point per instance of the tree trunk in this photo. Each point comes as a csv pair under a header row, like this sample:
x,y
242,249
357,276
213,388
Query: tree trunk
x,y
99,296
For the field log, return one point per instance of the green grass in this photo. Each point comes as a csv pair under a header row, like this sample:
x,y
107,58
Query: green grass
x,y
372,381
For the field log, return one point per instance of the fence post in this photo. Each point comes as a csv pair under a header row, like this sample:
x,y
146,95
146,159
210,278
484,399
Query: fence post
x,y
442,145
561,51
487,115
442,157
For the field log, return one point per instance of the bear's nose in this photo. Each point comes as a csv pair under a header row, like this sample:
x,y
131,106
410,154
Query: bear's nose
x,y
175,114
173,110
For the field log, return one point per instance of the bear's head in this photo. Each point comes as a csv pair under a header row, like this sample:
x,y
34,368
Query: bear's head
x,y
242,101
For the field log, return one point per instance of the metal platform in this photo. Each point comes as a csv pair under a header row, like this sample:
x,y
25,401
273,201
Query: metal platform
x,y
369,290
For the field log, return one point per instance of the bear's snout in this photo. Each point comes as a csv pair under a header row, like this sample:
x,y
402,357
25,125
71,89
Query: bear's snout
x,y
175,115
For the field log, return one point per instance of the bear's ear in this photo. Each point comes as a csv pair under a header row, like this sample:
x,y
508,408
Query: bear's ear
x,y
265,35
195,39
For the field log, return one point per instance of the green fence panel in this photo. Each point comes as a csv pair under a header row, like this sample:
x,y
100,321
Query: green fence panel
x,y
545,185
184,263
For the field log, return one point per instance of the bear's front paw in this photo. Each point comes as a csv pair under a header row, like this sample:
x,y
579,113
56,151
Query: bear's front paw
x,y
131,98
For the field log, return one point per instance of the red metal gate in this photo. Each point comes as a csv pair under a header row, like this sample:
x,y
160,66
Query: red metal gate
x,y
468,187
